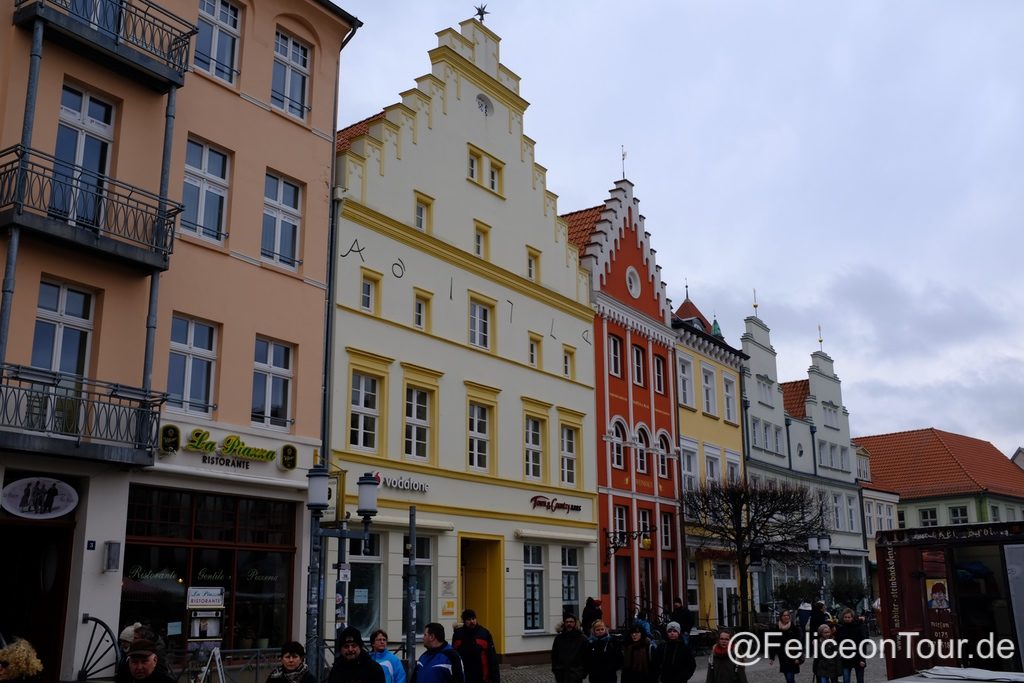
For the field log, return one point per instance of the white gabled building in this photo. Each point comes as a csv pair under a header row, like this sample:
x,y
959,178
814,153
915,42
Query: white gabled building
x,y
463,363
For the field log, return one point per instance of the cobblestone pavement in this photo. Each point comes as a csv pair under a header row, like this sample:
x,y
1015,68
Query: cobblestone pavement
x,y
762,672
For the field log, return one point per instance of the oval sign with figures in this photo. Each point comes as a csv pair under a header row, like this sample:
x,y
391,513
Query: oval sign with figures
x,y
39,498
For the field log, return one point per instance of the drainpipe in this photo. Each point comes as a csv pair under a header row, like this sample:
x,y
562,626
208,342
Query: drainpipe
x,y
14,243
864,544
745,432
814,449
789,445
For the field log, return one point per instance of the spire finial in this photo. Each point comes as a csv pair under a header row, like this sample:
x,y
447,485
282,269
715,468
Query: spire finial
x,y
481,10
821,340
755,302
686,283
623,149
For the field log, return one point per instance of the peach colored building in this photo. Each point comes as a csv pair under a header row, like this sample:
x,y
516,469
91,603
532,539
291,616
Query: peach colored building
x,y
164,214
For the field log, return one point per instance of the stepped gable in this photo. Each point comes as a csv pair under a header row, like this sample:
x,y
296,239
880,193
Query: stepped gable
x,y
794,395
925,463
345,136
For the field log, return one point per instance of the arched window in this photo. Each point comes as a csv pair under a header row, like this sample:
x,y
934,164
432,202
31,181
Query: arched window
x,y
664,448
641,451
618,445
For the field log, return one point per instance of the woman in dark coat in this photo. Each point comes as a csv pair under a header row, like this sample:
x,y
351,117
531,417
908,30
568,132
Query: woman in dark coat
x,y
591,613
605,655
851,630
638,664
787,646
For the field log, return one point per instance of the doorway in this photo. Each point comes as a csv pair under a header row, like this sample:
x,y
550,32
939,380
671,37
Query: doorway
x,y
725,595
482,584
623,599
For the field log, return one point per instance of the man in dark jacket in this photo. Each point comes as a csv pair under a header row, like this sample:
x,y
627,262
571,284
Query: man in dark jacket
x,y
674,659
570,652
353,664
440,663
142,663
476,647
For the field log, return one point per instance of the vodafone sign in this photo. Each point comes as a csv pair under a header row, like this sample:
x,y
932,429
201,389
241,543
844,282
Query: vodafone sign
x,y
401,483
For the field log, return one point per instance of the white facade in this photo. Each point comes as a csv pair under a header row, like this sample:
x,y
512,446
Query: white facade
x,y
463,360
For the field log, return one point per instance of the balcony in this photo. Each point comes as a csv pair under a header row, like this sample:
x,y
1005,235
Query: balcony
x,y
54,413
135,37
81,209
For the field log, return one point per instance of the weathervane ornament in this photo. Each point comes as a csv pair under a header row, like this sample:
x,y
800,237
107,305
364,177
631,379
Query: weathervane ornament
x,y
481,10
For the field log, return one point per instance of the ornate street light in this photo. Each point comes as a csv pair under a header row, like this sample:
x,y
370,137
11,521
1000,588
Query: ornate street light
x,y
819,547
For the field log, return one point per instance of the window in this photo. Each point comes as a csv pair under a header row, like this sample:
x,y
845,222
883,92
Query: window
x,y
494,176
659,374
663,451
533,580
638,365
666,531
994,517
217,39
688,463
618,444
620,519
417,422
837,511
831,415
780,445
533,440
419,312
645,520
958,515
481,241
205,191
902,517
475,166
644,444
764,391
479,324
479,439
822,453
365,411
869,526
532,264
729,393
367,564
85,136
755,432
424,580
569,362
928,517
190,367
1011,514
570,580
708,387
833,456
368,294
63,329
615,355
851,512
712,468
291,73
281,220
534,349
569,440
422,218
863,468
732,470
685,382
271,384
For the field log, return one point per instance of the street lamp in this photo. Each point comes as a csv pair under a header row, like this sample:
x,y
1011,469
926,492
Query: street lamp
x,y
317,502
820,546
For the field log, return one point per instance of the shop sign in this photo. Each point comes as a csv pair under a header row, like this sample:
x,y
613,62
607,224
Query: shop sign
x,y
39,498
230,452
204,597
401,483
554,505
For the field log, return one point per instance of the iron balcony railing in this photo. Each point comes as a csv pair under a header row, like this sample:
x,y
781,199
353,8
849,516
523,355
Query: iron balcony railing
x,y
144,25
31,181
63,405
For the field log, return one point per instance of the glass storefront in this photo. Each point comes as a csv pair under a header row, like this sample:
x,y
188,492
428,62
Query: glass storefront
x,y
176,539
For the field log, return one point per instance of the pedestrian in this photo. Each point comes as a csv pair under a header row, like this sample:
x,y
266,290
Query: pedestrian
x,y
591,612
818,617
570,652
19,662
638,657
803,613
788,647
352,664
826,663
394,672
851,630
721,667
475,645
682,616
605,657
673,659
440,663
293,668
142,663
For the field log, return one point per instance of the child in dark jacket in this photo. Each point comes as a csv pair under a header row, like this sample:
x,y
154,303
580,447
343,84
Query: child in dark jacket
x,y
827,663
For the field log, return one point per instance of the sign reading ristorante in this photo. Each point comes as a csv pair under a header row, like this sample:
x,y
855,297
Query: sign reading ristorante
x,y
230,452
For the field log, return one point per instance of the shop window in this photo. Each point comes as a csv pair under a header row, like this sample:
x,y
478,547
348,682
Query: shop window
x,y
364,590
533,584
424,582
570,580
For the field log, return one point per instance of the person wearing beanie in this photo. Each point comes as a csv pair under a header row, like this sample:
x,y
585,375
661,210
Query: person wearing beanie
x,y
440,663
591,612
570,652
352,663
673,659
605,658
128,635
293,667
475,645
19,662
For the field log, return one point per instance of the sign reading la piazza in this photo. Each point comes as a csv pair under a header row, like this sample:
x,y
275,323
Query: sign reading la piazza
x,y
230,452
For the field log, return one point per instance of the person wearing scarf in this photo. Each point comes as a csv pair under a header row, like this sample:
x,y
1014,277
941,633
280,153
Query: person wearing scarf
x,y
293,667
637,658
605,655
721,668
673,658
787,647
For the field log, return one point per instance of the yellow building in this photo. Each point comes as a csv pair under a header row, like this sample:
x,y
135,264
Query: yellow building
x,y
710,449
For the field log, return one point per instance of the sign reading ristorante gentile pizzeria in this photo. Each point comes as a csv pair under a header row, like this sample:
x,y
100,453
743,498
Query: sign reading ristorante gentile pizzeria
x,y
230,452
554,505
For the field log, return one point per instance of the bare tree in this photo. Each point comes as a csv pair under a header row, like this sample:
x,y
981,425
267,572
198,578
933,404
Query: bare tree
x,y
746,520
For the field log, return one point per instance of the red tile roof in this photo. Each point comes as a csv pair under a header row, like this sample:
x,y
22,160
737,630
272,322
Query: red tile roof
x,y
581,224
688,310
344,137
794,394
929,462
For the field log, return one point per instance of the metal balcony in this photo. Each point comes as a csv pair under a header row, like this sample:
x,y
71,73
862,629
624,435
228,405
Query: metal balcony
x,y
55,413
79,208
135,37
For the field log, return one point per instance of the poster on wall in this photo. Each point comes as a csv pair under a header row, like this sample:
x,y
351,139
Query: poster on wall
x,y
39,498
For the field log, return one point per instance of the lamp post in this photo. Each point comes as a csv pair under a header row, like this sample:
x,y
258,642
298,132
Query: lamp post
x,y
367,486
820,546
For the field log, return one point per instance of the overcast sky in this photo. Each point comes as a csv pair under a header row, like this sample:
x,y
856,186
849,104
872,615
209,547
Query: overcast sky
x,y
859,163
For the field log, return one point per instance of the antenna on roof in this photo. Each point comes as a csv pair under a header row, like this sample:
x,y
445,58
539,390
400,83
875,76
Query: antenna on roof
x,y
755,302
481,10
623,148
686,283
821,340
